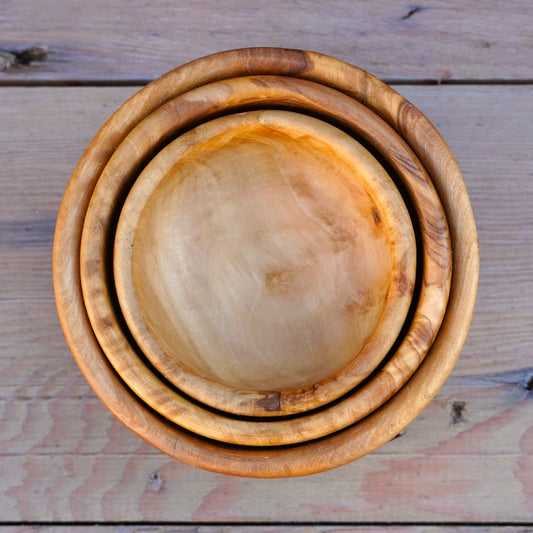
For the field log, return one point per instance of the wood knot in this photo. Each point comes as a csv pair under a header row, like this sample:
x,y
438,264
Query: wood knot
x,y
375,214
156,482
412,11
278,281
271,402
458,409
27,56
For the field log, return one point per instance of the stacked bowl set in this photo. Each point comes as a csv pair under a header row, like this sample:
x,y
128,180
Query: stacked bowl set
x,y
266,263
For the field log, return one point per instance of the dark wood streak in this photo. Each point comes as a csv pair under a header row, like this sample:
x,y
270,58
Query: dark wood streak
x,y
375,214
407,114
271,402
409,165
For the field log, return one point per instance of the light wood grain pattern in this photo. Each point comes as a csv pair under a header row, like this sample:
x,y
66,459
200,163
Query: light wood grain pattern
x,y
50,408
433,40
481,465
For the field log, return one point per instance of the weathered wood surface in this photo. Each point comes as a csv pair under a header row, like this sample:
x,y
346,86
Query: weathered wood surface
x,y
137,41
467,458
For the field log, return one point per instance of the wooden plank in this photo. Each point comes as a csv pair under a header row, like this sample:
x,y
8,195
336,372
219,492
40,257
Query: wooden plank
x,y
468,457
417,487
57,124
44,132
103,40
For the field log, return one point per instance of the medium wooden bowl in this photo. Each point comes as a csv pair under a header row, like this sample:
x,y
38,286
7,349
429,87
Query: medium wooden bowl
x,y
356,440
263,254
171,404
107,326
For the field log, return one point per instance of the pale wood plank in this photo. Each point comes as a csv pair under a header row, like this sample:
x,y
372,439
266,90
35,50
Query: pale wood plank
x,y
61,447
105,40
43,133
65,442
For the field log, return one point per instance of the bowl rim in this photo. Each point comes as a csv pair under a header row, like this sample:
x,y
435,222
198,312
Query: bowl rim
x,y
358,404
379,427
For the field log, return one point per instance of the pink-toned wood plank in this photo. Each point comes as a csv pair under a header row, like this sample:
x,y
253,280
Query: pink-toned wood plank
x,y
419,487
138,40
47,407
62,416
265,529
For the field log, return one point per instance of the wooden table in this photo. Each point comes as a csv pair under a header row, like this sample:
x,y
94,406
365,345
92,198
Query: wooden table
x,y
465,464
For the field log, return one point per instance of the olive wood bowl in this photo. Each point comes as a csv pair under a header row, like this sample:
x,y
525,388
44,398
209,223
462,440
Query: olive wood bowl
x,y
262,254
354,441
174,406
107,326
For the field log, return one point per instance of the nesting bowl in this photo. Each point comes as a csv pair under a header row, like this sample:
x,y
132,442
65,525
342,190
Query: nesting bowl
x,y
262,255
185,225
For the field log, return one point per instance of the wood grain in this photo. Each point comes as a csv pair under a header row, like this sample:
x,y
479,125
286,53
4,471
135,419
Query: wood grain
x,y
483,461
97,478
436,40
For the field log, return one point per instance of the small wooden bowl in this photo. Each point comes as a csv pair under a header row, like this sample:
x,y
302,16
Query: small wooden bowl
x,y
261,255
345,445
98,285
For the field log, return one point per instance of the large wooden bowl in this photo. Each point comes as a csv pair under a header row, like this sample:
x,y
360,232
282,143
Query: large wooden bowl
x,y
107,197
345,445
261,255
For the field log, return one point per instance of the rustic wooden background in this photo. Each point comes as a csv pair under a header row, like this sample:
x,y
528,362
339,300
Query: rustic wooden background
x,y
66,464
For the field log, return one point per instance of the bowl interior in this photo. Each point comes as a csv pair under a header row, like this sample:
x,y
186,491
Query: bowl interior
x,y
263,251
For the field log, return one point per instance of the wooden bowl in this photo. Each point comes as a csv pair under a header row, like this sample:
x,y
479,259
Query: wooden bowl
x,y
261,255
98,287
100,303
345,445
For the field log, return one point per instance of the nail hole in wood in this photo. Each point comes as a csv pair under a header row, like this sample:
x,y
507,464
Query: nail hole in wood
x,y
458,409
27,56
